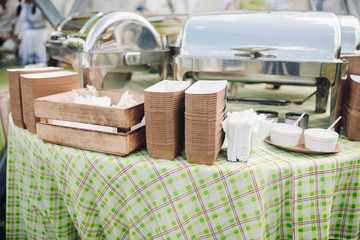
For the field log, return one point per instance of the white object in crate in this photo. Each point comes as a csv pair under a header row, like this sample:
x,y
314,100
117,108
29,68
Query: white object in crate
x,y
90,96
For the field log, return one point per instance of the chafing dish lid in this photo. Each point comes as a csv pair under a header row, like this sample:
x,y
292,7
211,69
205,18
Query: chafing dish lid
x,y
290,36
75,23
72,31
350,34
122,31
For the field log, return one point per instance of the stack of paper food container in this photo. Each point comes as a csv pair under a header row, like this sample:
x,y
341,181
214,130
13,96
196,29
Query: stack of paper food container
x,y
14,78
38,85
204,113
164,116
351,108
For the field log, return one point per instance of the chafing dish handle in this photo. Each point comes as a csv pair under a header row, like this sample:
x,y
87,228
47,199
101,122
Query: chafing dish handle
x,y
253,51
138,58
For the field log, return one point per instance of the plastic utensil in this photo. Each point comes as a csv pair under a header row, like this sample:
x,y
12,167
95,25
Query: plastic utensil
x,y
299,118
334,123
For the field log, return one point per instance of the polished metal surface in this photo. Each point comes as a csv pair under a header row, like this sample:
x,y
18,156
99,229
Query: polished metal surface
x,y
302,48
74,23
350,34
67,39
90,23
295,35
96,44
69,36
169,25
123,31
122,42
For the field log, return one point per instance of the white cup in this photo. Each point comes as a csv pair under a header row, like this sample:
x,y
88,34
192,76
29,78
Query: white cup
x,y
321,140
285,135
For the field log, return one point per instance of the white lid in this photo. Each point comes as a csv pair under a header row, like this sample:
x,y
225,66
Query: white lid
x,y
286,129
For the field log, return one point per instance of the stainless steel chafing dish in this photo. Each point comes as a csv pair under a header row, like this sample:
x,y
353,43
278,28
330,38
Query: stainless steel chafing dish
x,y
297,48
99,44
350,47
66,40
350,7
350,34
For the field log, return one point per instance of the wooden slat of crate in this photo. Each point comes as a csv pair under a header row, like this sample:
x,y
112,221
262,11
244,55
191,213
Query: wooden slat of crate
x,y
118,144
58,107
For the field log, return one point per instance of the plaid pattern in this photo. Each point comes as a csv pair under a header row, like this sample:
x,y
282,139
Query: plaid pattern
x,y
57,192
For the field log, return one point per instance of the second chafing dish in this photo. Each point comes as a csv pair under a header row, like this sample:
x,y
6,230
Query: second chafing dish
x,y
99,44
296,48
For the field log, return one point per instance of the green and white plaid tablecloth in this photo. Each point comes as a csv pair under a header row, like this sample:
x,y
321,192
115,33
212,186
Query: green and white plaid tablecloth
x,y
56,192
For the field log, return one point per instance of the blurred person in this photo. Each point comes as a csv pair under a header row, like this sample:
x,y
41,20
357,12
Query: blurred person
x,y
7,20
30,30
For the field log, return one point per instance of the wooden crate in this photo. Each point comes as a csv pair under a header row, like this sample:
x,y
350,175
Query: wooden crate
x,y
59,107
113,143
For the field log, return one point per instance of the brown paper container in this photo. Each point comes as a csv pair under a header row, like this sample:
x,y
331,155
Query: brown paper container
x,y
15,90
354,64
350,107
40,85
164,114
169,154
204,113
201,158
339,102
352,124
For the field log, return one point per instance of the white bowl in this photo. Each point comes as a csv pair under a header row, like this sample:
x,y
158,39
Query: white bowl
x,y
319,139
285,135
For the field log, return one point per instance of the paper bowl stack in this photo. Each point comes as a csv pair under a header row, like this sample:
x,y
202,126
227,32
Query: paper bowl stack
x,y
351,108
204,113
164,117
38,85
14,79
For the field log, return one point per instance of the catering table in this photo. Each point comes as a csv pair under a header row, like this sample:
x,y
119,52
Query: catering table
x,y
56,192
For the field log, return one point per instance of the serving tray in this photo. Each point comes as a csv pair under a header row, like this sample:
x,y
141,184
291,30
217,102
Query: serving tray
x,y
301,146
